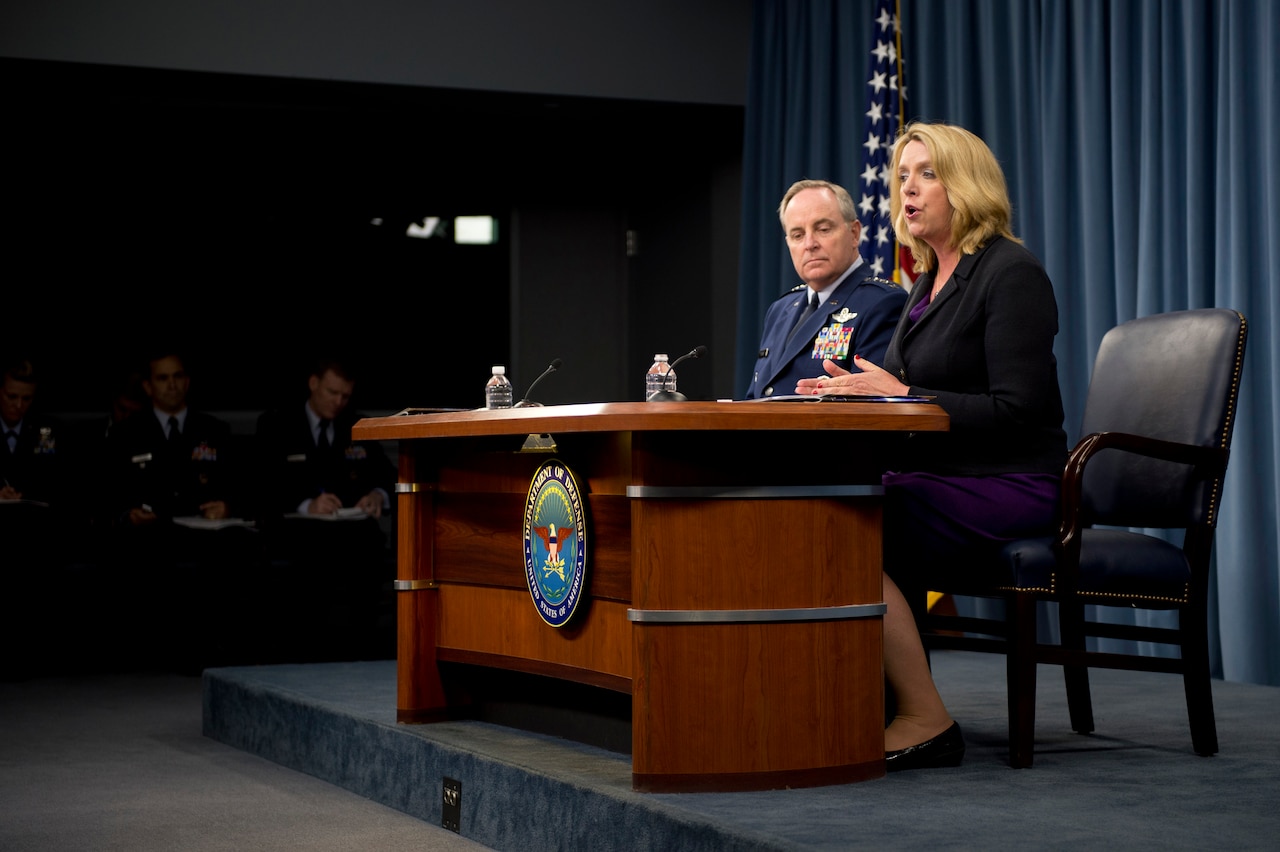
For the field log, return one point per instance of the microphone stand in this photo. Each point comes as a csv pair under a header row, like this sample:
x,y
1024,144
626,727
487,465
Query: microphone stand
x,y
665,395
526,402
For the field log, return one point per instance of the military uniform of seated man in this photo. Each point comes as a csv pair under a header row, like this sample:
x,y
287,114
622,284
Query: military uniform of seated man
x,y
173,495
34,522
32,467
322,497
838,310
170,461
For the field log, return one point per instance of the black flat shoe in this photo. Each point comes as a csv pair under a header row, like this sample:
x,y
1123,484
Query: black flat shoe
x,y
946,749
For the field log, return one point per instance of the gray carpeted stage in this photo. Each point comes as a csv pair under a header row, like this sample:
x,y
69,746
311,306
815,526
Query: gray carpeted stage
x,y
1134,784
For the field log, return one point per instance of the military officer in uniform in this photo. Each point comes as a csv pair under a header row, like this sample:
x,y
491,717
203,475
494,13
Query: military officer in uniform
x,y
30,454
178,552
169,460
839,310
323,495
310,464
33,526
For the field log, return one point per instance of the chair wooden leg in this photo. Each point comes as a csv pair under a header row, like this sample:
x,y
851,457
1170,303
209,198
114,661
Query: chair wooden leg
x,y
1196,682
1021,680
1079,701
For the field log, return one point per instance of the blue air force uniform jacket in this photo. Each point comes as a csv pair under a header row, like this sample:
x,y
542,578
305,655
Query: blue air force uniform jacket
x,y
857,319
174,479
37,465
295,469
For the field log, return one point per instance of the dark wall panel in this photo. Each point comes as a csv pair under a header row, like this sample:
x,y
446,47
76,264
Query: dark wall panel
x,y
263,220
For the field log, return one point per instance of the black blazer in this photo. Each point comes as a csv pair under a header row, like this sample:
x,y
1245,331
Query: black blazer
x,y
984,348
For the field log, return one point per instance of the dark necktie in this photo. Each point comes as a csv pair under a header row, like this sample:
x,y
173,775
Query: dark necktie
x,y
11,438
809,308
322,439
175,432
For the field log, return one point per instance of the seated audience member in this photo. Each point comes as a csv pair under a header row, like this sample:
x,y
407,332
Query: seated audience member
x,y
322,495
31,455
838,310
33,518
173,493
171,461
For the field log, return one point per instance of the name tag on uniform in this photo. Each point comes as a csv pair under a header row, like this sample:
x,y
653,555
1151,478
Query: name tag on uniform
x,y
296,457
141,458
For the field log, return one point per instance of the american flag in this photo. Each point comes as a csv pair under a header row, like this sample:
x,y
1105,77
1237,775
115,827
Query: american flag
x,y
886,94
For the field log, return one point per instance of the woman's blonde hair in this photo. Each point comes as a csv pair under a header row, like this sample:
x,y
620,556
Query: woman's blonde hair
x,y
975,188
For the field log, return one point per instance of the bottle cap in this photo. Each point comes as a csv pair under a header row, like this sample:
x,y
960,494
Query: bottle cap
x,y
660,357
499,370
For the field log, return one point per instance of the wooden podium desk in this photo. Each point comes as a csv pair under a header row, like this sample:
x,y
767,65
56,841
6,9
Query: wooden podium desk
x,y
733,587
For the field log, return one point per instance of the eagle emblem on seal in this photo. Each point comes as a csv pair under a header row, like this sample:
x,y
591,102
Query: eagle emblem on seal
x,y
555,542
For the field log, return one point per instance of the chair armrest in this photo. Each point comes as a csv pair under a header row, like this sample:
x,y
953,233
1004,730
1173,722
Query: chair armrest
x,y
1207,461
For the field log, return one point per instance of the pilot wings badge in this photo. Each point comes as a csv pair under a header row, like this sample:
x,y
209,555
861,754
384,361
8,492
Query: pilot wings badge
x,y
554,543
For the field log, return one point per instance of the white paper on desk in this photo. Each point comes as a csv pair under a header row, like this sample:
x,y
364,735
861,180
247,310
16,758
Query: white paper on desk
x,y
344,514
197,522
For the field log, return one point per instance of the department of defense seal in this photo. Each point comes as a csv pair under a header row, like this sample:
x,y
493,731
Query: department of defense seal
x,y
555,543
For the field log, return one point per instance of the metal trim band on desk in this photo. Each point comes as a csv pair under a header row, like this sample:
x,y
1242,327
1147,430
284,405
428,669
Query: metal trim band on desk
x,y
413,585
754,616
408,487
710,492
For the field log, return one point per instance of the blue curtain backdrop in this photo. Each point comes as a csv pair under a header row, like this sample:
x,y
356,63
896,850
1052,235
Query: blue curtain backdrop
x,y
1141,141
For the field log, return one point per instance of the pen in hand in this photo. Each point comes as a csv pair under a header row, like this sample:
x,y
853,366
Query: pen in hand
x,y
325,503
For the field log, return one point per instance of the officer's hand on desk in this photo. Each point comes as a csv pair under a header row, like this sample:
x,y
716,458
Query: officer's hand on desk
x,y
214,509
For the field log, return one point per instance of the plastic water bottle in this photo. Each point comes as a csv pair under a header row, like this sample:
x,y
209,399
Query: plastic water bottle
x,y
653,380
497,391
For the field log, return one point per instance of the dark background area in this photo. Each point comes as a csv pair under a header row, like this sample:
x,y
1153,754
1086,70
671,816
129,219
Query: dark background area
x,y
236,214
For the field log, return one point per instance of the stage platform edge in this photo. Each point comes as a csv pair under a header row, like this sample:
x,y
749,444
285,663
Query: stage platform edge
x,y
518,789
530,792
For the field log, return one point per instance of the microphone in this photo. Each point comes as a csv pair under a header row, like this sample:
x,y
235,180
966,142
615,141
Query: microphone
x,y
525,402
665,395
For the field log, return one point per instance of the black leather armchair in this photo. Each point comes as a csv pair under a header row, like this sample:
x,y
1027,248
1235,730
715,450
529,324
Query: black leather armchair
x,y
1156,433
